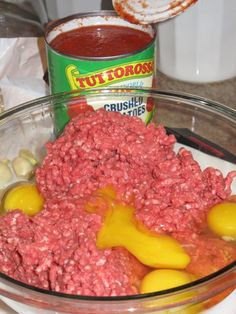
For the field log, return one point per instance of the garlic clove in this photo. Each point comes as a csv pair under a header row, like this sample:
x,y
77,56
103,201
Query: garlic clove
x,y
27,154
22,167
5,172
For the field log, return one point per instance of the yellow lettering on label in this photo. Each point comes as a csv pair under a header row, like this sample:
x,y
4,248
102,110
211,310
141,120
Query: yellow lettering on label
x,y
135,70
71,73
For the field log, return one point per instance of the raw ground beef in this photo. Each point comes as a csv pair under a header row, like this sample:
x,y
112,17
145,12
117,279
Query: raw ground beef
x,y
56,249
169,190
208,253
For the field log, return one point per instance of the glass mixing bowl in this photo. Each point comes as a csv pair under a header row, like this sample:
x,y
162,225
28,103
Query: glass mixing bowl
x,y
31,125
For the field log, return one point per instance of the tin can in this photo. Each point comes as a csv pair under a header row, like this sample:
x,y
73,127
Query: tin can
x,y
69,72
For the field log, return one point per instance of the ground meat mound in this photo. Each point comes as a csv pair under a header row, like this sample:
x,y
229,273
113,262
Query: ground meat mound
x,y
56,250
170,191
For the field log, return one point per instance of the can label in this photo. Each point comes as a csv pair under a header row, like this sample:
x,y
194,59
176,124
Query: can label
x,y
136,70
140,72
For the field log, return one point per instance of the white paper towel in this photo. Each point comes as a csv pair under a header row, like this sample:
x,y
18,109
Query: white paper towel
x,y
22,66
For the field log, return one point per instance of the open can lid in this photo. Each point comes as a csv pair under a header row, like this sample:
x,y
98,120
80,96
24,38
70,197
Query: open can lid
x,y
150,11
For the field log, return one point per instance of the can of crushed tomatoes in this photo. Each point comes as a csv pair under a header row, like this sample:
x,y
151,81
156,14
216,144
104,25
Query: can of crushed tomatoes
x,y
100,49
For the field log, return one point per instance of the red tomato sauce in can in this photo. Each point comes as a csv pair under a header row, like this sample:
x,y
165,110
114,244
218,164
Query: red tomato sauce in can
x,y
101,41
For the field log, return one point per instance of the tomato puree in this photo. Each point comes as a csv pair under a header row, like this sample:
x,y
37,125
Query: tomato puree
x,y
101,41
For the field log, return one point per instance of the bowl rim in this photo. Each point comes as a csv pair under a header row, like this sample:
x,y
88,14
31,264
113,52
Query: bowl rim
x,y
203,103
167,292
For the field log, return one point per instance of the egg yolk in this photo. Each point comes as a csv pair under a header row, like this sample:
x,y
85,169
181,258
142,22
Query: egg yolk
x,y
24,197
221,219
121,229
162,279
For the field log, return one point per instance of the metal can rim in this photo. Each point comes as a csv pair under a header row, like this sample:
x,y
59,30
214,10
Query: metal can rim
x,y
102,13
150,11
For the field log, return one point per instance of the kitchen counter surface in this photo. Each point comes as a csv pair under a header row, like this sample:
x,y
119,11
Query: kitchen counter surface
x,y
223,92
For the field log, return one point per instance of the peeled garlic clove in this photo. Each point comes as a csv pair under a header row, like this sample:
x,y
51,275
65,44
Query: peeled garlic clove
x,y
22,167
27,154
5,172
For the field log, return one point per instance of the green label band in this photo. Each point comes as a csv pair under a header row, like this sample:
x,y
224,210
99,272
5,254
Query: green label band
x,y
137,70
